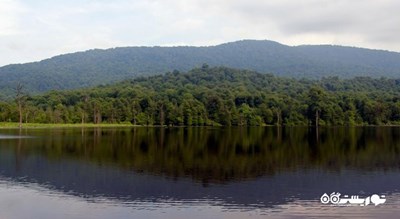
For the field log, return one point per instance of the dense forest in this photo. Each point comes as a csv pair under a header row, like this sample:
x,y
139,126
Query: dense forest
x,y
216,96
100,67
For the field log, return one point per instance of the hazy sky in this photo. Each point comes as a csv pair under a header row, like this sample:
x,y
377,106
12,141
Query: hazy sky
x,y
32,30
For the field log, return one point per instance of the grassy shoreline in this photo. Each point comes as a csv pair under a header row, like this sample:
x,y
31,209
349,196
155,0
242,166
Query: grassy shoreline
x,y
12,125
59,125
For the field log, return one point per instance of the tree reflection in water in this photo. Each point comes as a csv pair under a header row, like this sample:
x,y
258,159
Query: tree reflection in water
x,y
216,155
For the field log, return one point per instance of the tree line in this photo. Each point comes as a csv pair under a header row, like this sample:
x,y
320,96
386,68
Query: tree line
x,y
217,96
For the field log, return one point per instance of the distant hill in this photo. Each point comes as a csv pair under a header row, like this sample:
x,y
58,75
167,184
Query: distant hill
x,y
94,67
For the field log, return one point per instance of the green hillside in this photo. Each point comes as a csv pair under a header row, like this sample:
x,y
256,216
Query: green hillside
x,y
96,67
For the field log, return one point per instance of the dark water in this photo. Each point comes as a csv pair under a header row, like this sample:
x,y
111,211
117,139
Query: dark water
x,y
197,172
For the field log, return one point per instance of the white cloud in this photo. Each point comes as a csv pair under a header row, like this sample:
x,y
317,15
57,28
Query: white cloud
x,y
366,23
9,13
34,30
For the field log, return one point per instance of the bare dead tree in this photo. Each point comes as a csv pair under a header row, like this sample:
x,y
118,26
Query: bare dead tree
x,y
20,99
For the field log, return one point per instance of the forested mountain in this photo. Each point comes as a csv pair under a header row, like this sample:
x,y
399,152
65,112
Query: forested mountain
x,y
97,67
219,96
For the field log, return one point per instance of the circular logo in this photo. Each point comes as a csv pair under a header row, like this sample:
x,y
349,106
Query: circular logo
x,y
325,199
335,198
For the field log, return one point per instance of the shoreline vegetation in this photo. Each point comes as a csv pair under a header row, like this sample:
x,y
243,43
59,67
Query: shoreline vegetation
x,y
217,96
12,125
15,125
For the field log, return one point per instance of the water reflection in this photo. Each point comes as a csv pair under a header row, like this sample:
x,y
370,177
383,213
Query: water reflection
x,y
233,168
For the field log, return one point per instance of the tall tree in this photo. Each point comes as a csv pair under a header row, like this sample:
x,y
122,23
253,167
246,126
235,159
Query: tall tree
x,y
20,98
316,96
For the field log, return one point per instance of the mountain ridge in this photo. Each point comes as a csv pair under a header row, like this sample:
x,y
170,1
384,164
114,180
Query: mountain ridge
x,y
103,66
206,46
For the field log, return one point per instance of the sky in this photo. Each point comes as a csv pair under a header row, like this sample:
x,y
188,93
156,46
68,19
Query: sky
x,y
32,30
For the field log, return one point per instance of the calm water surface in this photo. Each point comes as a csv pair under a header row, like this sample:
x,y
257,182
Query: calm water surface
x,y
197,172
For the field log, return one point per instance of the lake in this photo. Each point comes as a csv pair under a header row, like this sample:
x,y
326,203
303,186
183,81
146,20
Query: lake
x,y
268,172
